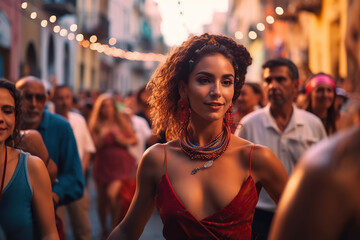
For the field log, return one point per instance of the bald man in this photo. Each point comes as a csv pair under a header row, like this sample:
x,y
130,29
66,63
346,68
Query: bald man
x,y
58,138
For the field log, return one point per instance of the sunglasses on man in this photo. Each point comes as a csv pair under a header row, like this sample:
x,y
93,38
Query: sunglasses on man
x,y
39,97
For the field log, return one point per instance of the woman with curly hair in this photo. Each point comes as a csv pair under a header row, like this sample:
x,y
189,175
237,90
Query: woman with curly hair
x,y
205,181
26,206
114,166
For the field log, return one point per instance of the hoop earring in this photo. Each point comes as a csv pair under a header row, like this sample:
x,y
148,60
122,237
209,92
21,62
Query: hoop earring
x,y
183,111
228,116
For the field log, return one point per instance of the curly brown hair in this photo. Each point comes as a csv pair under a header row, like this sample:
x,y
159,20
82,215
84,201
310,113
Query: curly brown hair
x,y
177,67
14,138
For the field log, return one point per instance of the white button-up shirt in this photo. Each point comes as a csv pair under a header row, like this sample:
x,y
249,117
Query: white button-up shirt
x,y
303,130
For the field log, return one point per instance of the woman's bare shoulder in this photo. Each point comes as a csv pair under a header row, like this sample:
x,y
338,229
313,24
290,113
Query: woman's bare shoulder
x,y
246,147
154,156
31,135
30,139
36,166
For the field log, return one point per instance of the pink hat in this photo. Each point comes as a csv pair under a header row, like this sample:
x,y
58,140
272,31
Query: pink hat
x,y
319,79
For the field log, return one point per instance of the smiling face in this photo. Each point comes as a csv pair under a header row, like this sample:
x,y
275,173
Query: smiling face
x,y
322,97
7,114
210,88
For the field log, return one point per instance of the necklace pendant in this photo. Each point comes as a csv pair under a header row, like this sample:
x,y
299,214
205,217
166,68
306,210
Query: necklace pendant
x,y
208,164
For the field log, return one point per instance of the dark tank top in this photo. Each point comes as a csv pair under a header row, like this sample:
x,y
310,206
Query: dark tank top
x,y
231,222
16,211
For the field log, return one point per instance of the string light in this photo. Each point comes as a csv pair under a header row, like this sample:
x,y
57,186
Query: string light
x,y
112,41
93,38
116,52
260,27
73,27
52,18
96,46
71,36
252,35
270,19
279,10
79,37
24,5
85,43
56,29
44,23
33,15
63,32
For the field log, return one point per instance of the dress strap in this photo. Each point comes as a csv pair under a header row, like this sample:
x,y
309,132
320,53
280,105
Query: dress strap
x,y
251,151
165,160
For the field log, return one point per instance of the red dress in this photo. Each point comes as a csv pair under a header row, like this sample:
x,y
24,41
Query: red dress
x,y
231,222
113,162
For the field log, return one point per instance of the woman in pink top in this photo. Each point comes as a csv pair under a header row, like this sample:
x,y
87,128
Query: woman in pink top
x,y
205,181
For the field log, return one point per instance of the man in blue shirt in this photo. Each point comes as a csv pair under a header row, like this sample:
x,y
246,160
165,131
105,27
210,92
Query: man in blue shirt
x,y
58,138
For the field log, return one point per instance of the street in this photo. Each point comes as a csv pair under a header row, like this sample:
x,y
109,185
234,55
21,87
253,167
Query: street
x,y
152,231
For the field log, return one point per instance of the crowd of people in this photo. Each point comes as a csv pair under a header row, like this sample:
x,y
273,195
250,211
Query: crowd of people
x,y
218,157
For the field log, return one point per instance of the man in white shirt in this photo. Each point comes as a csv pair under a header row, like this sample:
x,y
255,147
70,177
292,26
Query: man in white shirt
x,y
281,126
79,210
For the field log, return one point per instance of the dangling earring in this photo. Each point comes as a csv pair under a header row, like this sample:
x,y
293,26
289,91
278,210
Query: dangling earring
x,y
183,111
228,116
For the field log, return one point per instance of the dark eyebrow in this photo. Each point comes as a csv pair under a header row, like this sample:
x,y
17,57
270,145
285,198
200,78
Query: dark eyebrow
x,y
8,107
211,75
205,73
229,75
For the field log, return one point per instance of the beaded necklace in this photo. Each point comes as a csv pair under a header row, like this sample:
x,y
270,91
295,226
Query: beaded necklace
x,y
208,153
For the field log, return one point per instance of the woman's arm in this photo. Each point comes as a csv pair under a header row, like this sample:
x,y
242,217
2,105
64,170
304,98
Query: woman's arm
x,y
42,198
125,135
143,204
125,140
269,171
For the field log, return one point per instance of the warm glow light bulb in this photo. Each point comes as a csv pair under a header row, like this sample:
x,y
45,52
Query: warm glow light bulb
x,y
73,27
63,32
44,23
112,41
52,19
56,28
33,15
86,43
270,19
24,5
252,35
93,39
279,10
79,37
260,27
71,36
